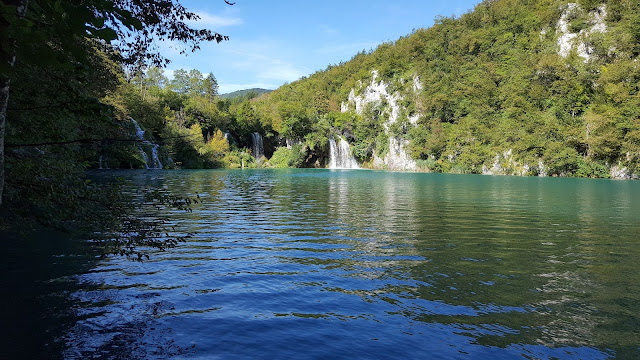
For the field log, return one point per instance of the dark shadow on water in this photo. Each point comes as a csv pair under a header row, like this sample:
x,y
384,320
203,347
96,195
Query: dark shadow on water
x,y
43,319
37,275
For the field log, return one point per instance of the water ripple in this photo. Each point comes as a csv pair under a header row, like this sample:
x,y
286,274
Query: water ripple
x,y
319,264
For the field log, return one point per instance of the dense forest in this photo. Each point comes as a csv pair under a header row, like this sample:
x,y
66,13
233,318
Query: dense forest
x,y
545,88
513,87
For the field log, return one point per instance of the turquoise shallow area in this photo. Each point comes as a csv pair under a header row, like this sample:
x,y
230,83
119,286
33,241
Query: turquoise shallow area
x,y
293,264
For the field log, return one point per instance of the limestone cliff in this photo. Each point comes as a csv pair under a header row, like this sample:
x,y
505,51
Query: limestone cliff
x,y
377,93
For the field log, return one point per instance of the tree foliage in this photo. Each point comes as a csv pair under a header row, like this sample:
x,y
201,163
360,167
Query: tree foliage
x,y
492,81
75,71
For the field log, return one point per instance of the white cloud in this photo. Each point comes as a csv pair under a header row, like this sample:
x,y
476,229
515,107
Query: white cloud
x,y
267,60
214,21
241,64
280,71
328,30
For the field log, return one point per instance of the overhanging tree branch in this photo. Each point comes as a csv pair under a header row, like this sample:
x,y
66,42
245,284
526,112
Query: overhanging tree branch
x,y
87,141
135,23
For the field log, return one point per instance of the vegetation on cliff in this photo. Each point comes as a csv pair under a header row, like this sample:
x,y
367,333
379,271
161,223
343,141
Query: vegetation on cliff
x,y
490,90
513,87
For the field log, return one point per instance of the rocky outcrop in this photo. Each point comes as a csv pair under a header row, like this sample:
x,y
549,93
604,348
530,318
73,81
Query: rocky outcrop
x,y
620,172
377,92
505,164
568,39
396,158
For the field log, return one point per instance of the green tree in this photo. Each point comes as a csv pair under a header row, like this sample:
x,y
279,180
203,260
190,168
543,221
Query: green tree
x,y
181,82
155,78
55,33
492,81
247,119
196,85
210,85
216,147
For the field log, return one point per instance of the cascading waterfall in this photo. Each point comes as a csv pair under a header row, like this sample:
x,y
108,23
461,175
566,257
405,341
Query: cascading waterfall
x,y
139,131
258,146
155,161
145,157
340,156
154,156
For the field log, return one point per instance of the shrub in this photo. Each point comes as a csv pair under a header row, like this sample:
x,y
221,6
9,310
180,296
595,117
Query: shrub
x,y
284,157
590,169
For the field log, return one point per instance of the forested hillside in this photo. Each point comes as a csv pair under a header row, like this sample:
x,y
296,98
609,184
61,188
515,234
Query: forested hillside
x,y
247,92
513,87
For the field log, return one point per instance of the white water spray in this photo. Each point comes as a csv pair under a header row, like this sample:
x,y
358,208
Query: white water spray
x,y
340,156
155,161
258,146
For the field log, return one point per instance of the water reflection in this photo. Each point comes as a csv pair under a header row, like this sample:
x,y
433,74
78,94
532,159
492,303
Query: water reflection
x,y
356,263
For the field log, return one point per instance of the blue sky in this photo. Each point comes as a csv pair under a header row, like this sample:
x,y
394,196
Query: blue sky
x,y
274,42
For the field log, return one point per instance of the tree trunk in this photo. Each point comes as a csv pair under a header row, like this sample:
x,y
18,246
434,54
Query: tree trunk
x,y
4,100
8,56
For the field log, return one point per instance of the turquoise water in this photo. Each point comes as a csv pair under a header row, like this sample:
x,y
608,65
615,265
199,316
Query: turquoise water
x,y
297,264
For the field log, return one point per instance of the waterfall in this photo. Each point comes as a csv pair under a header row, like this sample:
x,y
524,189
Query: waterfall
x,y
340,156
139,131
145,157
154,157
258,146
103,164
155,160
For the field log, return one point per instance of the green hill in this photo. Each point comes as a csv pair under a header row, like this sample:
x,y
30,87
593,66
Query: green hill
x,y
513,87
251,93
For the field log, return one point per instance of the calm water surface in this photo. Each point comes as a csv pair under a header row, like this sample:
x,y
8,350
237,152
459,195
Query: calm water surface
x,y
298,264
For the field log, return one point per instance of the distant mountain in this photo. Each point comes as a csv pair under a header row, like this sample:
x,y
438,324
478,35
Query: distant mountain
x,y
246,92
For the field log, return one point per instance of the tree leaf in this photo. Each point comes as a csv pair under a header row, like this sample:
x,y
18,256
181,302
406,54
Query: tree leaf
x,y
106,34
98,22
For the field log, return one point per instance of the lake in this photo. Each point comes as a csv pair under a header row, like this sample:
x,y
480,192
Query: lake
x,y
301,264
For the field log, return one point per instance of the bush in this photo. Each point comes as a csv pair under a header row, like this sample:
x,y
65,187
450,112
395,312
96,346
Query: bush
x,y
590,169
280,158
284,157
562,161
429,164
382,145
297,156
237,159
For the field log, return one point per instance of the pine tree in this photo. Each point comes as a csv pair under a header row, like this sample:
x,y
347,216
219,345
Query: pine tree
x,y
210,87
